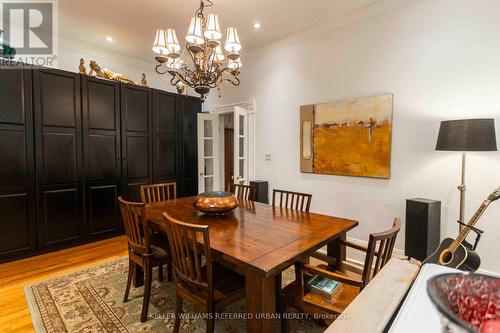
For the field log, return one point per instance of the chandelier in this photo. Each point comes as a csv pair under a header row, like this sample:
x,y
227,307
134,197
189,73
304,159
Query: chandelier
x,y
210,67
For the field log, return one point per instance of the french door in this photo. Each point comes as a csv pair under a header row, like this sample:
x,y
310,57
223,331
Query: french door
x,y
240,146
208,152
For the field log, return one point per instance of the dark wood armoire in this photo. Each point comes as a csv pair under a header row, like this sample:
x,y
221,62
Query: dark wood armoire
x,y
70,144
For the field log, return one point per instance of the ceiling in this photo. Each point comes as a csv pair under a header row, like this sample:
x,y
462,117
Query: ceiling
x,y
132,24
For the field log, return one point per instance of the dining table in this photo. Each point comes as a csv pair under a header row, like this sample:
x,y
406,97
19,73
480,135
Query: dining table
x,y
259,241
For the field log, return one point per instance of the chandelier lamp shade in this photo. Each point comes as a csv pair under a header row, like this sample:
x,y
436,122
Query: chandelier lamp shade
x,y
209,65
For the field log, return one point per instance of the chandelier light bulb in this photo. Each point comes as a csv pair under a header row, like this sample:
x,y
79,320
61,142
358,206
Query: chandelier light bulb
x,y
212,30
232,40
235,64
172,43
219,55
160,43
195,34
175,64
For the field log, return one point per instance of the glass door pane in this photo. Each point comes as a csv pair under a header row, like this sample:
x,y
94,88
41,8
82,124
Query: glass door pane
x,y
208,129
240,146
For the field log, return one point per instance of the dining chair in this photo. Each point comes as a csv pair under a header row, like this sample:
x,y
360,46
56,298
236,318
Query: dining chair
x,y
208,286
158,192
244,192
141,251
292,200
378,253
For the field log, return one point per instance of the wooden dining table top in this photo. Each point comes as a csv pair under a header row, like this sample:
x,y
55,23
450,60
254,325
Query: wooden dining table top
x,y
257,236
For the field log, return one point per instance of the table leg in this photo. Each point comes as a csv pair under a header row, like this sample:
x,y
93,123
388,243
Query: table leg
x,y
260,298
138,279
336,249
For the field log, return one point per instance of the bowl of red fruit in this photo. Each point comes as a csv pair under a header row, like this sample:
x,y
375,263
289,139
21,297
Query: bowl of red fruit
x,y
468,302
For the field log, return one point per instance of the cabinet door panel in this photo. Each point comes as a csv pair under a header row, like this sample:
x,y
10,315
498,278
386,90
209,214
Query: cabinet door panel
x,y
189,157
101,149
57,98
15,223
166,138
12,94
59,157
166,158
137,157
102,104
103,210
61,218
17,178
136,109
189,118
13,168
166,113
102,154
137,150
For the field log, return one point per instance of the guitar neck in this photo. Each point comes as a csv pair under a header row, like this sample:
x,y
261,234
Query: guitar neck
x,y
466,229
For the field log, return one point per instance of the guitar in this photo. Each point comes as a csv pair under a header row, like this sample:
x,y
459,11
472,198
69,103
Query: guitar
x,y
452,253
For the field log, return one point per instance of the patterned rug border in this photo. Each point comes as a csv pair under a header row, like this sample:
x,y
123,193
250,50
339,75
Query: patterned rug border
x,y
36,316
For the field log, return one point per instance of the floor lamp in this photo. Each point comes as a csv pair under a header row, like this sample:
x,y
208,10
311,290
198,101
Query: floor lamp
x,y
466,135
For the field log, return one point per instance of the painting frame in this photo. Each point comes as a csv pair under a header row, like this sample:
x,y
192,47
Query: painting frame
x,y
349,137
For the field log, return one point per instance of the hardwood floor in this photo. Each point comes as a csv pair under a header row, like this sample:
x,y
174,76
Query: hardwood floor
x,y
14,313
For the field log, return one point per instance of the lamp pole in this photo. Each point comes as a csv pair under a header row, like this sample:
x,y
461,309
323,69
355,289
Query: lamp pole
x,y
461,188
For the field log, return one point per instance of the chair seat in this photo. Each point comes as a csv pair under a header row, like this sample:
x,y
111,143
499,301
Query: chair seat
x,y
159,246
228,286
342,296
160,252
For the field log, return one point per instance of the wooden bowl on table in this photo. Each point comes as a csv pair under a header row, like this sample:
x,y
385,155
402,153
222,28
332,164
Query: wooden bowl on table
x,y
215,202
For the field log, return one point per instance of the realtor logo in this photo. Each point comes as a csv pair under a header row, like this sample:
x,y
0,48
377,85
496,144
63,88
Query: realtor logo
x,y
30,27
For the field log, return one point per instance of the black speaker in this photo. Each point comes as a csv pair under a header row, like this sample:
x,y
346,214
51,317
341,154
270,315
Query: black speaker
x,y
423,227
262,188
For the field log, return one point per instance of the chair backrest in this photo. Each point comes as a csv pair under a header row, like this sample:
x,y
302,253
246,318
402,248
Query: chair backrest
x,y
158,192
244,192
292,200
380,246
136,226
189,243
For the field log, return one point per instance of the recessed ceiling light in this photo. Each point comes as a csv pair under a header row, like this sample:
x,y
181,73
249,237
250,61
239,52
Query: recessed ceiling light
x,y
109,39
256,25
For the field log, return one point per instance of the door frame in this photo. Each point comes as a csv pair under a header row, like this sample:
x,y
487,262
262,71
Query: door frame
x,y
221,110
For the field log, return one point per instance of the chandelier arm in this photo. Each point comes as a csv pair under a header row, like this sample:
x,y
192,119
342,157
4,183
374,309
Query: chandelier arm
x,y
234,83
182,78
173,81
221,73
157,70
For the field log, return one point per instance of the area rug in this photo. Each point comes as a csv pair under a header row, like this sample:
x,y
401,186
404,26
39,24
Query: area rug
x,y
91,300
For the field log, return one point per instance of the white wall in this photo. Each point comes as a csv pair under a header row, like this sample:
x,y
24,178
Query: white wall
x,y
440,59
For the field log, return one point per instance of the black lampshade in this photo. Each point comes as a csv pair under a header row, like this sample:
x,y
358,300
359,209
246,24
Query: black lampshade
x,y
467,135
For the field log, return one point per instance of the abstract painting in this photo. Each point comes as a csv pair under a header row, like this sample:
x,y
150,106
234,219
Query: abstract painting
x,y
349,138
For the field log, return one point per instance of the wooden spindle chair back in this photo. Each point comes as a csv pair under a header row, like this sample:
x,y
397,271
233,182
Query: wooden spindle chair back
x,y
244,192
158,192
380,247
187,253
136,227
292,200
